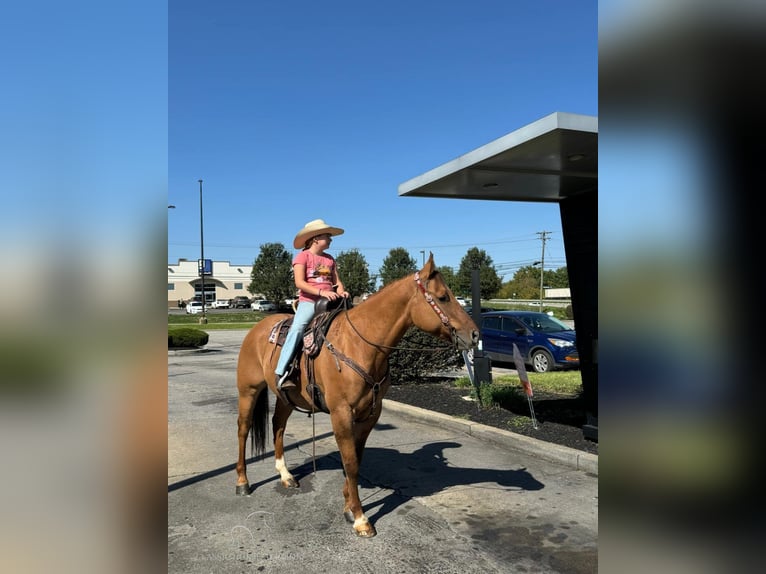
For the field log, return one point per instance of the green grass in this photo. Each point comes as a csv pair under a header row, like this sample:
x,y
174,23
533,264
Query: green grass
x,y
564,383
218,321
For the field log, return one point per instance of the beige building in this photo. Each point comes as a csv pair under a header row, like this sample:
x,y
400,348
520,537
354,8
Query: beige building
x,y
226,282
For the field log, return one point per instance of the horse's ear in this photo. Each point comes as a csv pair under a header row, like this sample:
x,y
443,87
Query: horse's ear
x,y
430,267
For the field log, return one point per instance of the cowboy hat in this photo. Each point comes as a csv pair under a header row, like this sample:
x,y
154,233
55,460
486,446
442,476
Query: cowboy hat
x,y
313,228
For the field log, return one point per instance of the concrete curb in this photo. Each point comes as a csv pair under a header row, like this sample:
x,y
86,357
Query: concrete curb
x,y
569,457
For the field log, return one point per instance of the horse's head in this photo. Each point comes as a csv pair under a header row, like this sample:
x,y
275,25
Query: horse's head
x,y
438,312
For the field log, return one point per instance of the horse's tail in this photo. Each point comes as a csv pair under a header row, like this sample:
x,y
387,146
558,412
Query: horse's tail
x,y
260,420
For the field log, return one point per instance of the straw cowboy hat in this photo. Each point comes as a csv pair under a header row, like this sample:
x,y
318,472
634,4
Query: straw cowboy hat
x,y
313,228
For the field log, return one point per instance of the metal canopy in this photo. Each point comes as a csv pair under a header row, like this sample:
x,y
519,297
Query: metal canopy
x,y
546,161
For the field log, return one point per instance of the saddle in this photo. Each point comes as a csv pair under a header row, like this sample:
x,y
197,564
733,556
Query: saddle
x,y
311,344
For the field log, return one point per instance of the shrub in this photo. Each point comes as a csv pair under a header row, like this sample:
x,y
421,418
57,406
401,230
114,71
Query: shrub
x,y
186,337
420,357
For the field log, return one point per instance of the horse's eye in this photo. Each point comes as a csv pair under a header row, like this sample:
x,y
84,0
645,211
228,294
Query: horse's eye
x,y
443,298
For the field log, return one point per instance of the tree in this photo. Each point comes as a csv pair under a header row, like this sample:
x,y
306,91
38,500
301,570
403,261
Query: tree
x,y
354,272
489,281
396,265
448,274
272,273
526,282
558,278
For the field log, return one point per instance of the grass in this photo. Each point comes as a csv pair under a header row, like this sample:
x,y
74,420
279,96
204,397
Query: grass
x,y
218,321
507,392
565,383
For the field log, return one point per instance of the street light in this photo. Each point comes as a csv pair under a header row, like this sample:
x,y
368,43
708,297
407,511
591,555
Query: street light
x,y
423,253
202,320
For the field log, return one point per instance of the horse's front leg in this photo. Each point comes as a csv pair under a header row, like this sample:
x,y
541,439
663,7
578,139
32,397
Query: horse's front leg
x,y
282,412
351,438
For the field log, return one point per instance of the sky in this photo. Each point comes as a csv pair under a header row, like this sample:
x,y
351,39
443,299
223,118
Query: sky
x,y
291,112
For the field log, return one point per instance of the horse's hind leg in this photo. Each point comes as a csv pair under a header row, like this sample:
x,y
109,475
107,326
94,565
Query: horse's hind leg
x,y
253,412
282,412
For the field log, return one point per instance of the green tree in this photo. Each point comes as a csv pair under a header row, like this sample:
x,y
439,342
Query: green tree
x,y
272,273
396,265
489,281
448,273
526,282
557,278
354,272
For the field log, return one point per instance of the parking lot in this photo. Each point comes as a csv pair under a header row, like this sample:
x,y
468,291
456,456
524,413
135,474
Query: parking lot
x,y
442,500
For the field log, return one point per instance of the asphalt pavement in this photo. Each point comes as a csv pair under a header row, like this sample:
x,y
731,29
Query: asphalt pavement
x,y
444,494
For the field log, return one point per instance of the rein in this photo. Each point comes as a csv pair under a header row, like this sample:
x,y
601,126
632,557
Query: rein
x,y
372,383
430,300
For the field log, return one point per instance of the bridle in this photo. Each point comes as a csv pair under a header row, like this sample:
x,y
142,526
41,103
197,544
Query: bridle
x,y
375,385
430,300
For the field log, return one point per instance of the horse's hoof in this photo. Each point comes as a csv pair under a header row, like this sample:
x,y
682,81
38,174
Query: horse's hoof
x,y
290,483
369,533
243,490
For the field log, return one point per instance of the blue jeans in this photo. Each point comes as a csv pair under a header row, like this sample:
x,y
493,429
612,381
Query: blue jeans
x,y
303,315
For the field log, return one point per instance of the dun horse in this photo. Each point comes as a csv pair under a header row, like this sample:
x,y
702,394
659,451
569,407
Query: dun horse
x,y
351,373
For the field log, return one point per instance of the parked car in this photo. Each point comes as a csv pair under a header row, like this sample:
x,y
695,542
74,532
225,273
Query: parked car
x,y
263,305
469,309
462,301
544,342
221,304
240,302
193,307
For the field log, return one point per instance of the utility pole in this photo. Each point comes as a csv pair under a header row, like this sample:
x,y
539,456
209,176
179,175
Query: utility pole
x,y
544,236
203,320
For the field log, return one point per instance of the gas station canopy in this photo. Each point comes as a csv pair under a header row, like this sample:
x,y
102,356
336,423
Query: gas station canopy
x,y
551,159
555,160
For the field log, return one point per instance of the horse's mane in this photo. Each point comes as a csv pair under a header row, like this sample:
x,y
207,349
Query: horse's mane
x,y
409,277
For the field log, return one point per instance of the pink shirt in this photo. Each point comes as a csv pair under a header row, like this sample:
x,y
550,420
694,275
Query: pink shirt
x,y
320,270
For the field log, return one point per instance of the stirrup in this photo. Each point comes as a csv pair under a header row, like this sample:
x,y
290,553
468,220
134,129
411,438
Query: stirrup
x,y
284,382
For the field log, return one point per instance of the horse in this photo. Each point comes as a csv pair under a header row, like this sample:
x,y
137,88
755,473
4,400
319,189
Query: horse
x,y
350,372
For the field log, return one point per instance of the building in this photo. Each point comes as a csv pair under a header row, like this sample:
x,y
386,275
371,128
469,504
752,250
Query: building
x,y
558,293
226,282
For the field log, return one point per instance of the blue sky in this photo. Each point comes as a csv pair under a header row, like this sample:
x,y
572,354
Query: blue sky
x,y
295,111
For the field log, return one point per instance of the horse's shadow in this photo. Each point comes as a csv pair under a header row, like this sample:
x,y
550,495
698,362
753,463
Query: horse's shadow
x,y
423,472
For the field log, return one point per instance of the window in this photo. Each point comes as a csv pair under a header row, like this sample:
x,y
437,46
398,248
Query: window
x,y
238,285
490,323
510,325
171,286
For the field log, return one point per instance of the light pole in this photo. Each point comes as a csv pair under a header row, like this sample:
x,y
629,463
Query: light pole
x,y
423,253
203,320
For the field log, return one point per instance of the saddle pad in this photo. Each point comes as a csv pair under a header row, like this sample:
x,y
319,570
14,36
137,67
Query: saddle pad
x,y
279,332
